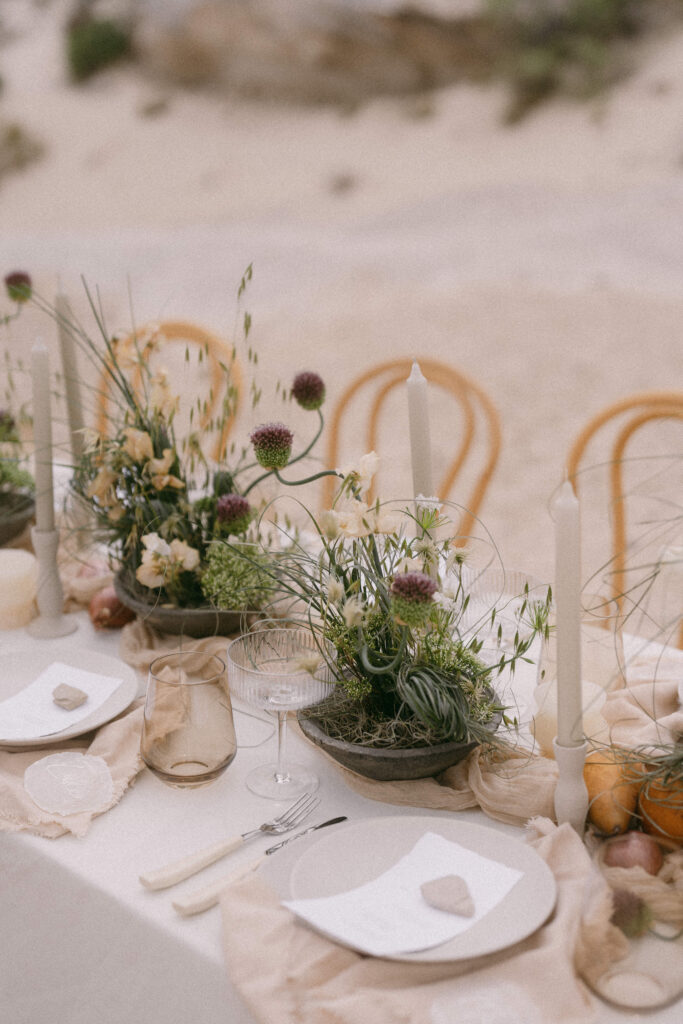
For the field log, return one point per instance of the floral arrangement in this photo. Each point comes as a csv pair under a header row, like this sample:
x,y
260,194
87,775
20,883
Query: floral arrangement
x,y
389,588
156,501
16,483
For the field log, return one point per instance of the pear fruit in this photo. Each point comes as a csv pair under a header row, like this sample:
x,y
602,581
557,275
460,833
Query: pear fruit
x,y
612,782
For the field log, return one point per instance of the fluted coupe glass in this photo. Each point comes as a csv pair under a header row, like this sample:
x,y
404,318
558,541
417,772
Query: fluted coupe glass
x,y
280,670
188,733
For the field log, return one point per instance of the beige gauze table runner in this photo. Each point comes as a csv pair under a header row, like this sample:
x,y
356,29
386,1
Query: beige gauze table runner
x,y
290,974
286,972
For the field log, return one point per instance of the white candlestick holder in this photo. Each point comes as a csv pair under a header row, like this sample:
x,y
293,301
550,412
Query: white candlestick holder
x,y
571,795
51,621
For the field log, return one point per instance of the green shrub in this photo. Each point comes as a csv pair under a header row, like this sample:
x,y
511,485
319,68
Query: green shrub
x,y
93,44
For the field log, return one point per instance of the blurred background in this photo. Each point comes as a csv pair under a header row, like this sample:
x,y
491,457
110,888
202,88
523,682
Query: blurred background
x,y
496,184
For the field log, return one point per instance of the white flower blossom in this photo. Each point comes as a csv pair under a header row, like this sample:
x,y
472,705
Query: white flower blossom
x,y
148,574
184,555
335,590
161,397
156,545
138,444
364,472
161,562
308,663
329,524
353,612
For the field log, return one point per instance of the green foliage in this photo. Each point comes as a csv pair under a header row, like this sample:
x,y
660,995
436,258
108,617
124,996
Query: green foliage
x,y
402,683
18,148
236,577
571,47
93,44
13,477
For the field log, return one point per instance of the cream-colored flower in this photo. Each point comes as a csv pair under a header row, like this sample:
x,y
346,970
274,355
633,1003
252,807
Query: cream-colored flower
x,y
102,486
161,397
353,521
155,545
335,590
353,612
163,480
149,575
383,520
125,352
456,557
138,444
91,438
185,555
364,472
115,512
427,550
308,663
369,465
432,504
162,465
329,524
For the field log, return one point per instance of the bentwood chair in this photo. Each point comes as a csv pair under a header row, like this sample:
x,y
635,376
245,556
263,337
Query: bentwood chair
x,y
476,430
209,386
645,424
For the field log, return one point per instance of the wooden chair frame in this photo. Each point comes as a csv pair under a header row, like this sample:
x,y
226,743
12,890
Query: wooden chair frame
x,y
644,407
467,392
218,354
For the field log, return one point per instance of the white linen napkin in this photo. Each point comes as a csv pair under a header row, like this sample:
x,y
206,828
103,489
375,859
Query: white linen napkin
x,y
389,915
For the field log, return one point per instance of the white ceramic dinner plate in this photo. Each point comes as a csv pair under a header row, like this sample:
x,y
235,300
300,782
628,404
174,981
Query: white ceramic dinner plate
x,y
21,665
350,855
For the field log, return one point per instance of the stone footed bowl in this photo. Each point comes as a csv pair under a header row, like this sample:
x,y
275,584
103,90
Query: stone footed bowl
x,y
385,764
193,622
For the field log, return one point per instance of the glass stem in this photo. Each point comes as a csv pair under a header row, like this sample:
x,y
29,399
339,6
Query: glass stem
x,y
281,773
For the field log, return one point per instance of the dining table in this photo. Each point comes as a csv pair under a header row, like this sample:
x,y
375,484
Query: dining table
x,y
83,942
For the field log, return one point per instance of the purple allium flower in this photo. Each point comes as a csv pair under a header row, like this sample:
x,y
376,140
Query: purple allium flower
x,y
234,512
18,285
272,445
411,597
309,390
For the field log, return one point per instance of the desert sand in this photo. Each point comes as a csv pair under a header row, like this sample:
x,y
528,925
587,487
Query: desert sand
x,y
543,260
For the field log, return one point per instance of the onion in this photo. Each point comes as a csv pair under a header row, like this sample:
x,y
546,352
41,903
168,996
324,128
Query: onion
x,y
634,849
107,612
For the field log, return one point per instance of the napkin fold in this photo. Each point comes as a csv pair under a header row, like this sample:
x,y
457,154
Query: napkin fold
x,y
514,785
117,743
286,972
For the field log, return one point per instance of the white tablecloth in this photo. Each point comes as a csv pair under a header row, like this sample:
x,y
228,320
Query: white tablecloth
x,y
84,943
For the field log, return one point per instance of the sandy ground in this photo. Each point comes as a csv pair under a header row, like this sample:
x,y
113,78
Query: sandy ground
x,y
543,260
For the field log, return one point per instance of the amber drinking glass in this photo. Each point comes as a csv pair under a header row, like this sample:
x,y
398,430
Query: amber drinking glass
x,y
188,733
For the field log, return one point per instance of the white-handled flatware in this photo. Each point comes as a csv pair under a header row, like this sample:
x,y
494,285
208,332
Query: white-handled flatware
x,y
178,870
202,899
312,828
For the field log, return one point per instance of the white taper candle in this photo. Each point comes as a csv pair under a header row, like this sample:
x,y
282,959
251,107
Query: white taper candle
x,y
568,616
420,442
72,385
42,437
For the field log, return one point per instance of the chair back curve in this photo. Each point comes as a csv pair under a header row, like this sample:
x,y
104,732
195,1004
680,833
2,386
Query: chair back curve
x,y
478,415
616,426
205,385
